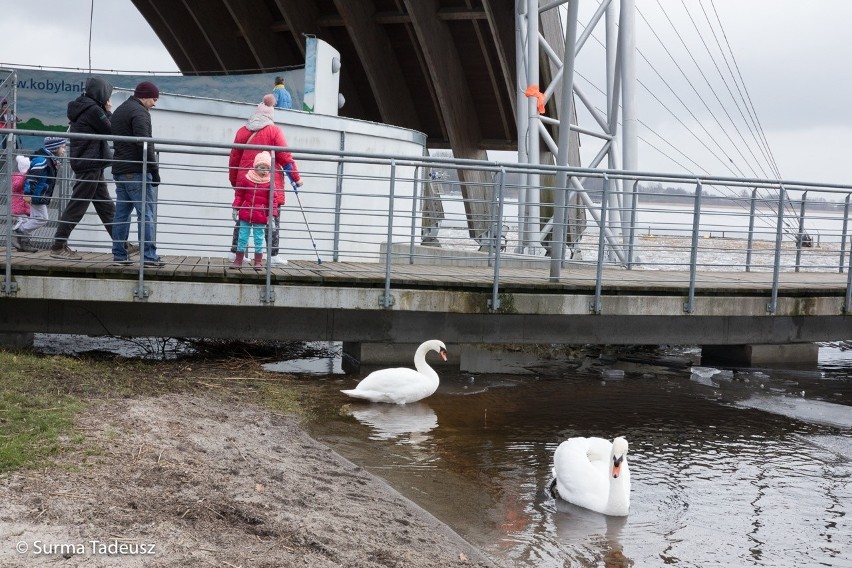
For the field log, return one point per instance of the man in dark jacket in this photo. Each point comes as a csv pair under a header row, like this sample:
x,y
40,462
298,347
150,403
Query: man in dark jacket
x,y
131,159
90,114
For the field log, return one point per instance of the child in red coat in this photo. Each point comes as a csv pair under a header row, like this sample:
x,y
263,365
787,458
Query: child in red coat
x,y
252,204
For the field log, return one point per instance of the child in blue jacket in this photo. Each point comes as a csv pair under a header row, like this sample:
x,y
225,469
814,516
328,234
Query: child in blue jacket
x,y
282,96
38,189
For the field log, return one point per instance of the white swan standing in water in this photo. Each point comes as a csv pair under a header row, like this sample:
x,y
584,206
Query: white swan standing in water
x,y
593,473
401,385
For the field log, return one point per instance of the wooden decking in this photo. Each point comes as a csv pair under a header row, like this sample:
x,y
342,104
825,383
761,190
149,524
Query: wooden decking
x,y
574,278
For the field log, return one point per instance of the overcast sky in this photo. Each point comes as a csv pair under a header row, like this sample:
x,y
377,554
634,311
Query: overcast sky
x,y
793,56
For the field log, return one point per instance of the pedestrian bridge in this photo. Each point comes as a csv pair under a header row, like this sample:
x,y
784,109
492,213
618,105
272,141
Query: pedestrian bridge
x,y
703,270
363,302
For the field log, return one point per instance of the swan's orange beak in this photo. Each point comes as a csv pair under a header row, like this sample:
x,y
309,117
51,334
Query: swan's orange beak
x,y
616,467
443,354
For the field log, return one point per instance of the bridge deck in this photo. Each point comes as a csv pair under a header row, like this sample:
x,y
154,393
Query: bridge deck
x,y
576,278
198,296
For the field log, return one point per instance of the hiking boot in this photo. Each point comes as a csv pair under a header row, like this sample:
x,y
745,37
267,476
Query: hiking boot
x,y
25,245
65,253
16,240
131,248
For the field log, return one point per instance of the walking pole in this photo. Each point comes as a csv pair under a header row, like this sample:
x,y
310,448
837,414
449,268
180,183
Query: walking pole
x,y
299,201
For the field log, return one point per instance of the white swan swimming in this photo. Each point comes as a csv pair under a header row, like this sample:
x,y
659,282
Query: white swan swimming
x,y
593,473
401,385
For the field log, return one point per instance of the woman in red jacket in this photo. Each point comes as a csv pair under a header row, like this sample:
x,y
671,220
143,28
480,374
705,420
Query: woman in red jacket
x,y
262,131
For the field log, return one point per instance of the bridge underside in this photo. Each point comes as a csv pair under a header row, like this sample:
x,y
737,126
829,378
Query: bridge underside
x,y
381,326
443,67
355,314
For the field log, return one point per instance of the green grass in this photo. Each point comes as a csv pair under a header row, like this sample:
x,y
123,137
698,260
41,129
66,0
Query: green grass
x,y
32,418
40,395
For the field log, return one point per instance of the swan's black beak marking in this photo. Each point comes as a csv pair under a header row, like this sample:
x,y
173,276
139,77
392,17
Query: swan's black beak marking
x,y
443,353
616,466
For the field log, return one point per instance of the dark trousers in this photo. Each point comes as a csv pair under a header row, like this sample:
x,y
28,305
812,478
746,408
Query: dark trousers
x,y
89,187
273,242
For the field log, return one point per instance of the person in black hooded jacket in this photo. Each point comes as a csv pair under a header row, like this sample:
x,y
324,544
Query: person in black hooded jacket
x,y
90,114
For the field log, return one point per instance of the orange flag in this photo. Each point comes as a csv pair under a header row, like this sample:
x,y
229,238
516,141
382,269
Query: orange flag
x,y
532,91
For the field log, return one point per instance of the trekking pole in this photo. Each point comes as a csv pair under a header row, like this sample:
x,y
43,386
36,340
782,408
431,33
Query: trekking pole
x,y
299,201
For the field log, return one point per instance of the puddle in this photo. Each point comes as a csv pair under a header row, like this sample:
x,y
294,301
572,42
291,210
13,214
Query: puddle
x,y
319,358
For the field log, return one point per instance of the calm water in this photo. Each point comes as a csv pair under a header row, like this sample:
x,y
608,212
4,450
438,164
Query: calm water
x,y
739,468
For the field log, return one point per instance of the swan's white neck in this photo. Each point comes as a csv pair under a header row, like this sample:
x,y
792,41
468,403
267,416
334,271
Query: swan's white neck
x,y
618,501
422,366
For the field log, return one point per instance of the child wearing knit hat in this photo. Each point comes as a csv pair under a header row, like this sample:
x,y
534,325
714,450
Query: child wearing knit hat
x,y
38,189
251,201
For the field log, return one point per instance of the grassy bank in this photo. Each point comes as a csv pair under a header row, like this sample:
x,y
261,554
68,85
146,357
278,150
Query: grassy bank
x,y
40,395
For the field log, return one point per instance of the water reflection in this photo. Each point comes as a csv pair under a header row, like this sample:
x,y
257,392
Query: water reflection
x,y
598,534
407,423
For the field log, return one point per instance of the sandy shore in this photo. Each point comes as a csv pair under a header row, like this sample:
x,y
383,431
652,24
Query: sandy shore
x,y
187,480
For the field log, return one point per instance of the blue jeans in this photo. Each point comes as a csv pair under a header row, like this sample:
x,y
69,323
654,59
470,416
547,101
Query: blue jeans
x,y
128,198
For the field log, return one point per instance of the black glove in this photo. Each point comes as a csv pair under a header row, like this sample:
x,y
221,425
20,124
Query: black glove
x,y
155,178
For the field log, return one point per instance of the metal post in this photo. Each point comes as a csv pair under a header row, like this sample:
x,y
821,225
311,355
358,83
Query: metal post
x,y
847,305
596,304
522,120
534,190
386,298
141,293
689,307
560,213
750,244
631,243
495,284
338,199
617,222
416,198
801,235
630,115
10,287
268,295
845,227
779,233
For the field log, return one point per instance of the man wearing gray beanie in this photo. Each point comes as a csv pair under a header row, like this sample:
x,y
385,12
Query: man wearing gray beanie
x,y
131,159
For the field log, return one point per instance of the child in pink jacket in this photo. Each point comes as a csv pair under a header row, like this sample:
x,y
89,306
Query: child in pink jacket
x,y
20,208
251,201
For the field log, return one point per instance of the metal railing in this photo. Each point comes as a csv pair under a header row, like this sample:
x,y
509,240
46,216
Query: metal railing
x,y
371,208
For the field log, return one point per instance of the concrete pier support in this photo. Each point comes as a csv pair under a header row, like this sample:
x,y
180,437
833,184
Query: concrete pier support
x,y
390,355
755,355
